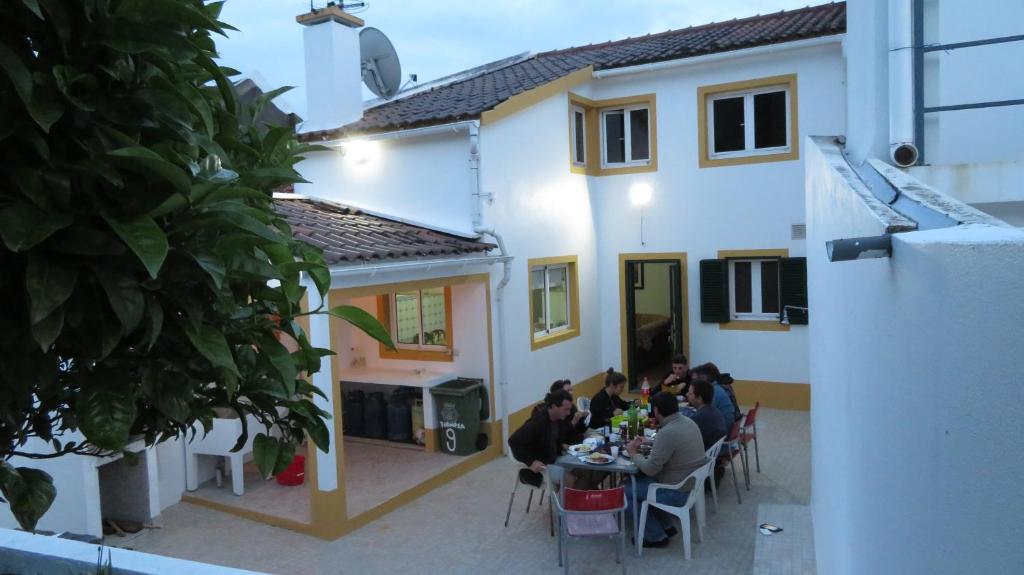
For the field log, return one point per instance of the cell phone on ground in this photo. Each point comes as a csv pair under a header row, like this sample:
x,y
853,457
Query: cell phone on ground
x,y
769,529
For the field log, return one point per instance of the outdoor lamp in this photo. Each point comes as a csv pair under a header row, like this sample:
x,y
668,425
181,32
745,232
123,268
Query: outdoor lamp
x,y
849,249
640,194
361,152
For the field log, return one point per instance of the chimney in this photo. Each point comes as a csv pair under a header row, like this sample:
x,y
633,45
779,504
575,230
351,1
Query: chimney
x,y
334,93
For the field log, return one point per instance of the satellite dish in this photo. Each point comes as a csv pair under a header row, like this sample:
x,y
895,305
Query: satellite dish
x,y
382,72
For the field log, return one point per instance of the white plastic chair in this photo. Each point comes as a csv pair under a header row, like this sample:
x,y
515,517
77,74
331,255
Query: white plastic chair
x,y
696,493
712,454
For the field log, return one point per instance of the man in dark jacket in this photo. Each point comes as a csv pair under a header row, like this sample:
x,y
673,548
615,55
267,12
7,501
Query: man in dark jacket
x,y
676,381
537,443
711,423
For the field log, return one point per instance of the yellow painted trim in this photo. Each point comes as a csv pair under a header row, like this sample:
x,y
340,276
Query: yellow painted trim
x,y
429,439
753,325
769,253
329,13
330,515
592,118
773,394
586,388
572,263
414,354
250,514
788,80
683,293
528,98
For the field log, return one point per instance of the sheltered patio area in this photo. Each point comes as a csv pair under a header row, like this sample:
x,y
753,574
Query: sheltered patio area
x,y
458,528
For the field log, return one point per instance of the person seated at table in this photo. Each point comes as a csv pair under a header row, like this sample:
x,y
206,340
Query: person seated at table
x,y
537,443
607,402
708,419
722,402
677,452
573,427
676,381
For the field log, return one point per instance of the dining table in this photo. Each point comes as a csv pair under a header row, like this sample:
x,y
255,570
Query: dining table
x,y
622,465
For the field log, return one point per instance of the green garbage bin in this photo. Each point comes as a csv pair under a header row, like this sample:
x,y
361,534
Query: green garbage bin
x,y
461,406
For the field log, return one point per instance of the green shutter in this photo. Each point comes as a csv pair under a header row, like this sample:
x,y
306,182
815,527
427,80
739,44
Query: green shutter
x,y
714,291
793,288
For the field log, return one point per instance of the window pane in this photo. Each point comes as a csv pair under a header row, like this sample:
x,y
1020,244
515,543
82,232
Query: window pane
x,y
770,120
614,137
770,287
537,297
741,286
558,297
580,145
406,312
728,127
434,317
640,145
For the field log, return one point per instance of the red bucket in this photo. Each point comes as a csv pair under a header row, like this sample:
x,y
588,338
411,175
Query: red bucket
x,y
295,474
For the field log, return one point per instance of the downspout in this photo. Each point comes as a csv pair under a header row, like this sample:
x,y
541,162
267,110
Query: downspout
x,y
903,148
478,209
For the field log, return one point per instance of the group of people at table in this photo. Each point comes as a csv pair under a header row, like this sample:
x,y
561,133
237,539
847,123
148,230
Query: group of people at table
x,y
677,449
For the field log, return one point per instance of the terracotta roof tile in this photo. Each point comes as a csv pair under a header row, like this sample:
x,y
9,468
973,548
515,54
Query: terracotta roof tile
x,y
468,98
349,235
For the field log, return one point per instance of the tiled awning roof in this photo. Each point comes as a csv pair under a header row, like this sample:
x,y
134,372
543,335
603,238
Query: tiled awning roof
x,y
349,236
467,98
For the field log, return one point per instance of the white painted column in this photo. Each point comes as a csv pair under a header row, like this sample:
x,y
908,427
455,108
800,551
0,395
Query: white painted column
x,y
320,336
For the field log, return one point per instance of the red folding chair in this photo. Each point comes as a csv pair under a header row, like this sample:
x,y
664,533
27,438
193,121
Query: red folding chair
x,y
748,433
590,514
729,452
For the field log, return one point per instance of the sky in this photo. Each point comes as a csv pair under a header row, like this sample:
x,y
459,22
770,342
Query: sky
x,y
434,39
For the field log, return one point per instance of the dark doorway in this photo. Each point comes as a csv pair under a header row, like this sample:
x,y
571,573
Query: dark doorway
x,y
654,318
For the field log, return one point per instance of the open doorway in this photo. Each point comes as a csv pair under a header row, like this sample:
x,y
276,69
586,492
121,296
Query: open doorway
x,y
654,322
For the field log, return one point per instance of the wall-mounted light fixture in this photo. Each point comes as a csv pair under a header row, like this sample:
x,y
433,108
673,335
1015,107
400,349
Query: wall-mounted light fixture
x,y
360,152
785,312
849,249
640,194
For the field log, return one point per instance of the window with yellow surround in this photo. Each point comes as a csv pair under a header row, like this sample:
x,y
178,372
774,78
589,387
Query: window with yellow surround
x,y
420,323
748,122
554,300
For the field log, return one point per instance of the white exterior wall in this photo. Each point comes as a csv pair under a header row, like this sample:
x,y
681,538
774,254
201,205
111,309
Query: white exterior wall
x,y
424,180
917,369
542,210
963,76
702,210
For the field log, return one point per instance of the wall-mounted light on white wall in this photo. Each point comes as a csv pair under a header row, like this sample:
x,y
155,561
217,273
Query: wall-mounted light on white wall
x,y
360,152
640,194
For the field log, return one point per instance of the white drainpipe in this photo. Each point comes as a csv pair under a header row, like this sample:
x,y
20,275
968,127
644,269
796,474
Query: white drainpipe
x,y
478,209
902,148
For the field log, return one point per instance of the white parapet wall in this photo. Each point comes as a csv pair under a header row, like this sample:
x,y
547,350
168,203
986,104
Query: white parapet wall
x,y
22,552
918,369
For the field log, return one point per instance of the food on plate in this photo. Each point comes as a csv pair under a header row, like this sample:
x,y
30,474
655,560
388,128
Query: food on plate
x,y
598,458
582,448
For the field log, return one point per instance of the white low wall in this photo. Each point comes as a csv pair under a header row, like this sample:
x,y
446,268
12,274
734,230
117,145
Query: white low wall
x,y
918,369
22,552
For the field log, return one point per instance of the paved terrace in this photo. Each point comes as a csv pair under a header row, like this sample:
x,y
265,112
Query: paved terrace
x,y
458,529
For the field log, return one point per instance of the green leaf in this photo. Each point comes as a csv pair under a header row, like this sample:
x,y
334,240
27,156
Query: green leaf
x,y
49,282
66,78
364,321
18,74
282,361
124,295
29,492
34,7
212,345
146,239
213,266
265,451
105,415
23,225
146,162
46,331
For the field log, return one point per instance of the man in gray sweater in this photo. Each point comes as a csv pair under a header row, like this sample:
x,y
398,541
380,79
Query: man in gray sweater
x,y
677,452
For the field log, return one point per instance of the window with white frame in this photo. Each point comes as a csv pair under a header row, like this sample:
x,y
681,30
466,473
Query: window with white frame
x,y
625,136
754,292
749,123
549,290
579,136
419,319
